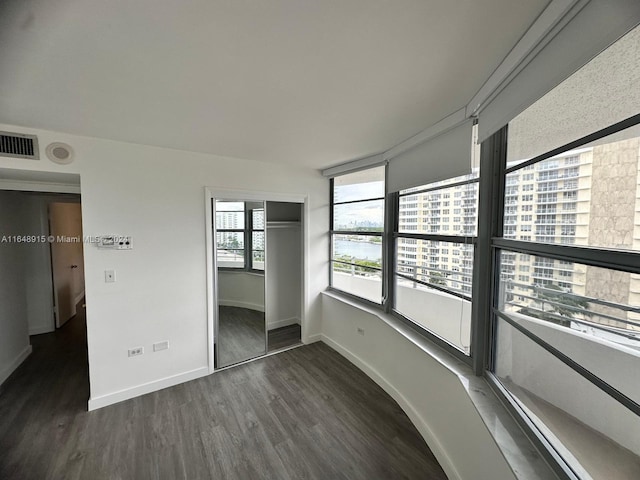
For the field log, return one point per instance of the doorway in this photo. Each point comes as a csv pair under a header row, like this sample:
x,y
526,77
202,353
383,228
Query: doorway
x,y
43,298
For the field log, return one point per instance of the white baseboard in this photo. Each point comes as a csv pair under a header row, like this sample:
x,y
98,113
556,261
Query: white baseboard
x,y
240,304
285,322
414,416
9,369
41,329
312,338
126,394
78,297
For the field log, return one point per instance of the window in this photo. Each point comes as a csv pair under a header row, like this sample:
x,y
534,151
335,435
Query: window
x,y
561,301
567,335
576,308
240,235
257,237
443,282
593,214
357,232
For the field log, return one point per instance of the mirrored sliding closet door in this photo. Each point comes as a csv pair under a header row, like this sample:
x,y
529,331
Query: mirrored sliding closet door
x,y
240,253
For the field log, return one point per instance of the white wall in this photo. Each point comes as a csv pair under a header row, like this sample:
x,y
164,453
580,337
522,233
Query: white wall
x,y
447,316
156,195
284,276
241,289
362,286
432,395
14,330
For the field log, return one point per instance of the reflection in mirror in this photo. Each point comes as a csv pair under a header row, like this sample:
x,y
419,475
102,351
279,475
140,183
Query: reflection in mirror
x,y
240,257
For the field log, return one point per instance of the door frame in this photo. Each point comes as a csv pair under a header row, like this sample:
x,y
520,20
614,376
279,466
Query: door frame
x,y
211,193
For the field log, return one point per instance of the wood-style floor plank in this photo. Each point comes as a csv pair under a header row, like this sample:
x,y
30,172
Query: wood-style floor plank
x,y
305,413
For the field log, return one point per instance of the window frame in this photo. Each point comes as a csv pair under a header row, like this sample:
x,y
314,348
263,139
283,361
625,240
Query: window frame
x,y
494,242
382,235
247,233
447,239
490,240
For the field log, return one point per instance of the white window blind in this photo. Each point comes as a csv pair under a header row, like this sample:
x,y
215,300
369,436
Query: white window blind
x,y
444,156
596,26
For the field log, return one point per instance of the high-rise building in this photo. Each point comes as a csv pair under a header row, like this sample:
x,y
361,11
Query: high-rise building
x,y
584,197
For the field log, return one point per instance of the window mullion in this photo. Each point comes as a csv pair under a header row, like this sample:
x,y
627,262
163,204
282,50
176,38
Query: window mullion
x,y
248,240
490,212
627,261
389,244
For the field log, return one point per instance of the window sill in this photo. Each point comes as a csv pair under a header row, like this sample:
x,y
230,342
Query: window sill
x,y
523,458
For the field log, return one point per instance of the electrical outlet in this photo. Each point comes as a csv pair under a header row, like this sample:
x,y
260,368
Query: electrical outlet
x,y
360,330
161,346
134,352
109,276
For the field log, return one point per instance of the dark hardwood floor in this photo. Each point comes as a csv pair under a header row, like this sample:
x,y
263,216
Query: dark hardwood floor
x,y
284,337
305,413
241,335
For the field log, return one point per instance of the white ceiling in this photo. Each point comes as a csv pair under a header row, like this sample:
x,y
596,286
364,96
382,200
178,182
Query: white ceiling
x,y
308,82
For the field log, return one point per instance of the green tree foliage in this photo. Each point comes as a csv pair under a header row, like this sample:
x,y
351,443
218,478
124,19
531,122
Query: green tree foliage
x,y
555,302
437,278
361,265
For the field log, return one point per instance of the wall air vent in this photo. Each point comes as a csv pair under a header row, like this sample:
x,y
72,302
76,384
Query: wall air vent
x,y
19,145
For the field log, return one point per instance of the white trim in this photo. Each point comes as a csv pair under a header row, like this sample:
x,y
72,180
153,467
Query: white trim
x,y
9,369
438,128
228,194
419,422
305,240
211,260
312,338
80,295
283,322
132,392
354,165
41,329
31,186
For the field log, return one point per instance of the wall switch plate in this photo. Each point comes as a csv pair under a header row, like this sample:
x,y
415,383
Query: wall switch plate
x,y
115,242
109,276
134,352
161,346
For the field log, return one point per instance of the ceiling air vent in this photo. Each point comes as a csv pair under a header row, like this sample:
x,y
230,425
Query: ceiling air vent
x,y
19,145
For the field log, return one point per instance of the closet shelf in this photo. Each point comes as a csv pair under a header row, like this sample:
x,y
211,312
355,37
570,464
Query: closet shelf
x,y
283,224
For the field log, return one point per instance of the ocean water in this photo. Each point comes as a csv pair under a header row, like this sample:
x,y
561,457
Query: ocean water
x,y
361,250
